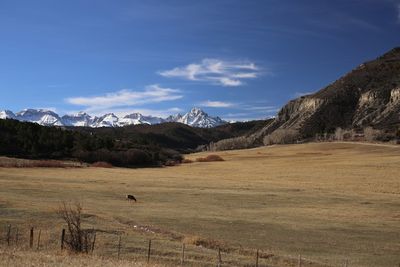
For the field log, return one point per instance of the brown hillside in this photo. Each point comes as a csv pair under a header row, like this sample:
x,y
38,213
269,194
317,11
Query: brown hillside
x,y
367,96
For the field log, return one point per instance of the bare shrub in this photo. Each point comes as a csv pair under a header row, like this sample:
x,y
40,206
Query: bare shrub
x,y
339,134
101,164
210,158
324,137
370,134
171,163
77,239
232,143
349,135
281,136
346,135
187,161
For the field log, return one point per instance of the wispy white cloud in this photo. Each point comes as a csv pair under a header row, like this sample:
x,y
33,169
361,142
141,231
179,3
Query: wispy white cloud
x,y
125,98
216,104
215,71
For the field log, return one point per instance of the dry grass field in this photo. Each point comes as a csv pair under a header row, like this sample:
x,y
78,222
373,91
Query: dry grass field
x,y
326,201
23,258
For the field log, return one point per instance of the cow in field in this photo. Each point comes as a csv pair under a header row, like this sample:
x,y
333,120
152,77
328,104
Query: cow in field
x,y
130,198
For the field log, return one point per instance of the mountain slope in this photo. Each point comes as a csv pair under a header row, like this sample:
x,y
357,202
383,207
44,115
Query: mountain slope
x,y
39,116
7,114
198,118
81,119
367,96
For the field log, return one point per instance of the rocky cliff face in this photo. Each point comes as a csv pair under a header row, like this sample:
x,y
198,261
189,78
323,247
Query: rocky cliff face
x,y
367,96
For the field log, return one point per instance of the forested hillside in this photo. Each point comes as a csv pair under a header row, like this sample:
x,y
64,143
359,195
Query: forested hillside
x,y
133,146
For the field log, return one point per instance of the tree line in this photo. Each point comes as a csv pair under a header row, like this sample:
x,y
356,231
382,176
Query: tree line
x,y
32,141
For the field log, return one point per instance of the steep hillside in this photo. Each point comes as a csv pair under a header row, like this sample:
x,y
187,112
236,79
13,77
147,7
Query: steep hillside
x,y
367,96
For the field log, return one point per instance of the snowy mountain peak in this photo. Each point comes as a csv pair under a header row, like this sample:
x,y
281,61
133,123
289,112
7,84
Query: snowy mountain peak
x,y
137,118
195,117
33,112
133,116
41,116
196,111
174,118
81,114
107,120
79,119
198,118
7,114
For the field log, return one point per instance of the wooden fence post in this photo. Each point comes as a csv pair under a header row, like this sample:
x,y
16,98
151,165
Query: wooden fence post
x,y
8,234
119,245
62,238
31,238
257,259
94,241
16,236
219,264
86,243
183,254
148,251
38,241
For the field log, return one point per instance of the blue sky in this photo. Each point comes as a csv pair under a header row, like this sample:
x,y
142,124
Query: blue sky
x,y
237,59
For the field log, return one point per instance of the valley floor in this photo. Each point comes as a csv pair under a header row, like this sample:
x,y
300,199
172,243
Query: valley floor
x,y
329,202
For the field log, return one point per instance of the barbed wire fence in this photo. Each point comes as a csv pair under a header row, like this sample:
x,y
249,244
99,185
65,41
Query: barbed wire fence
x,y
118,244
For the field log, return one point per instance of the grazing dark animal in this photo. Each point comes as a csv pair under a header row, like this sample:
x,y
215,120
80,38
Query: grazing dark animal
x,y
130,198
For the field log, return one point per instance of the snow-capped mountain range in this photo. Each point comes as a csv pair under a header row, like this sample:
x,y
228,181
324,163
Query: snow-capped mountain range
x,y
195,118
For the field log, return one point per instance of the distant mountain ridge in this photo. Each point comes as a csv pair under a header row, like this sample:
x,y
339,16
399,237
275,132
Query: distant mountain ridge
x,y
195,118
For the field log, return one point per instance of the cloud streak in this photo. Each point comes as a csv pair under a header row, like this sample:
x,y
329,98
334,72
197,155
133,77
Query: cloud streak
x,y
216,104
215,71
123,98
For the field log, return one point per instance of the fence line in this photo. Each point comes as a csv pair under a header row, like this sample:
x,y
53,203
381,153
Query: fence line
x,y
179,256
